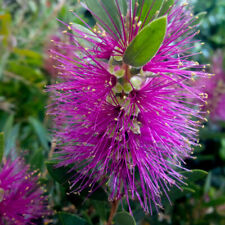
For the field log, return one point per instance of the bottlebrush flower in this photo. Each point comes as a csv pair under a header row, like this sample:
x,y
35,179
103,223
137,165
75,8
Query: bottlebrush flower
x,y
215,88
50,64
21,200
129,127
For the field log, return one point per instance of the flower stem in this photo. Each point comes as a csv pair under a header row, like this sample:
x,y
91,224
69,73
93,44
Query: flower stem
x,y
127,72
115,205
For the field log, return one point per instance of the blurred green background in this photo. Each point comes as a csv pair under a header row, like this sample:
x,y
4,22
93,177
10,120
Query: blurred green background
x,y
26,28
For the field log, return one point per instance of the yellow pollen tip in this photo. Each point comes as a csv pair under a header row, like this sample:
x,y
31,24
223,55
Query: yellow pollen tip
x,y
139,23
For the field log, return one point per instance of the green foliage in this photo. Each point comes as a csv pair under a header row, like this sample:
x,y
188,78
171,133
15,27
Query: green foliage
x,y
146,44
41,132
2,146
212,27
82,41
5,27
63,175
111,24
167,4
143,10
124,218
199,18
191,177
194,175
69,219
222,149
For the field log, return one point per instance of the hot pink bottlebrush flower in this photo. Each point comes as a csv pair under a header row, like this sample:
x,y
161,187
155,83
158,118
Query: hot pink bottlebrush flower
x,y
21,199
50,63
215,88
129,128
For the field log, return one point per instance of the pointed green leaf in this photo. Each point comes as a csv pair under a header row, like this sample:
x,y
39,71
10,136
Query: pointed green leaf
x,y
10,133
70,219
191,177
123,6
2,145
60,174
148,10
194,175
27,53
146,44
224,64
63,174
176,193
107,15
37,159
5,27
8,124
40,130
123,218
215,202
89,33
208,183
167,4
198,18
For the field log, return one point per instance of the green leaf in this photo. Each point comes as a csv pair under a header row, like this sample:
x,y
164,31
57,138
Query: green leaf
x,y
27,53
222,149
60,174
101,209
107,16
63,174
208,183
124,218
191,177
8,124
148,10
5,20
37,159
198,18
188,190
11,133
29,57
167,4
176,193
123,6
209,134
215,202
89,33
146,44
70,219
2,145
27,72
3,62
194,175
40,131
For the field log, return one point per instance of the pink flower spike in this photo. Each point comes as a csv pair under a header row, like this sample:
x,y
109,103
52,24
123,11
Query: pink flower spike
x,y
21,199
129,129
